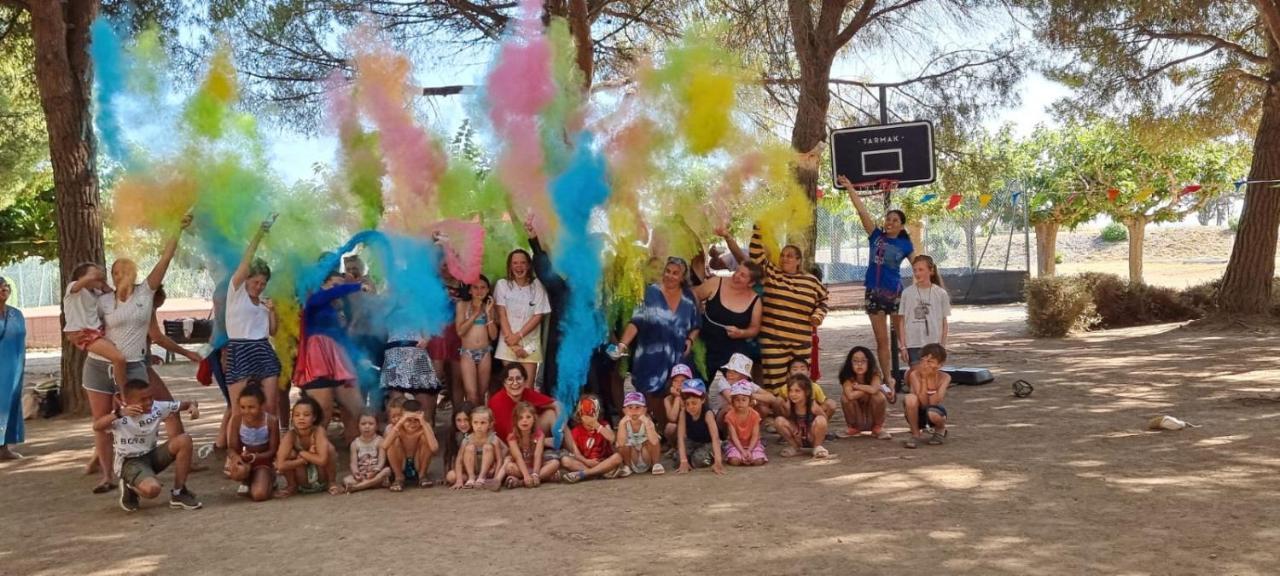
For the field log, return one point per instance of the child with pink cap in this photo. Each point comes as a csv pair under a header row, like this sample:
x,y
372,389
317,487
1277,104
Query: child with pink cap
x,y
745,447
697,436
672,403
638,440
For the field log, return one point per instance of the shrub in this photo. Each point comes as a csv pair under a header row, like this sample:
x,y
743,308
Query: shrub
x,y
1056,306
1120,304
1058,259
1234,224
1115,232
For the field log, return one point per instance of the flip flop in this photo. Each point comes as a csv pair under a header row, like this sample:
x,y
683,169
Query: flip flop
x,y
912,443
104,487
657,470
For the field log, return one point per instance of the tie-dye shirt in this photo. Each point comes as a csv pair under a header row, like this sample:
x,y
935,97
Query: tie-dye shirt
x,y
660,338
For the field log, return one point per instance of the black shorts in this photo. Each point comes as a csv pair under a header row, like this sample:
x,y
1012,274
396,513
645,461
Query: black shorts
x,y
321,383
876,302
922,415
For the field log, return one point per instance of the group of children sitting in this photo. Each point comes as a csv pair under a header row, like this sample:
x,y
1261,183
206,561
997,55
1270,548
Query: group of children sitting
x,y
707,429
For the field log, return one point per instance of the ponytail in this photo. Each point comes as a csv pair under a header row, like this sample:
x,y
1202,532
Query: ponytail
x,y
934,276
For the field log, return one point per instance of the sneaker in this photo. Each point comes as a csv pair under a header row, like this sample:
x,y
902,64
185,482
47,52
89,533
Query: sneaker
x,y
184,499
128,498
616,472
242,490
574,477
204,452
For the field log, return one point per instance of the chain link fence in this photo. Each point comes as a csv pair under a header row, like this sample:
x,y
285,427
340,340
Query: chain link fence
x,y
35,282
978,248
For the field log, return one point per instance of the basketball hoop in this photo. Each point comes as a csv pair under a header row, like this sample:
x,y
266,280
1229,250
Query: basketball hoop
x,y
883,186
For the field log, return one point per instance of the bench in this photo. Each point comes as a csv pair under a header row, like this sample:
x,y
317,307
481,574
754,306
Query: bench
x,y
201,332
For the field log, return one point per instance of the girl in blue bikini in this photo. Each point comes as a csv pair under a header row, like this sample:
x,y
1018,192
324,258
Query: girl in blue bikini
x,y
477,329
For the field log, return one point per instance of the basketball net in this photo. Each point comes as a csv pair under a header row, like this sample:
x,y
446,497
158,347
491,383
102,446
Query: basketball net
x,y
883,187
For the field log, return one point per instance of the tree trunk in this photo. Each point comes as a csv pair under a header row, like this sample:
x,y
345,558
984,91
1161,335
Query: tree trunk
x,y
580,28
1046,248
1246,286
1137,226
61,34
916,229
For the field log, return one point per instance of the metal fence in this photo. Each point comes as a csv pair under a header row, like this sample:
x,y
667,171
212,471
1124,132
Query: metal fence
x,y
964,241
36,282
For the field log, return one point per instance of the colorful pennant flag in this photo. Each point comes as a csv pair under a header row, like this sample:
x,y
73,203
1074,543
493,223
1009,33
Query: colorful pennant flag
x,y
1145,193
1112,194
984,199
927,197
954,201
1190,189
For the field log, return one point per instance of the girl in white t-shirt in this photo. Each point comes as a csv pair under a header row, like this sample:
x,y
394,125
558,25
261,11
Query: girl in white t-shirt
x,y
84,328
521,302
925,307
250,321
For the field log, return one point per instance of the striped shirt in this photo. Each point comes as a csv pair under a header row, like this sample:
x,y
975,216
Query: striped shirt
x,y
790,300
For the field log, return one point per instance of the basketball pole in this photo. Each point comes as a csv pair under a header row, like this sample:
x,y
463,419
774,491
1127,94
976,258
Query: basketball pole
x,y
884,104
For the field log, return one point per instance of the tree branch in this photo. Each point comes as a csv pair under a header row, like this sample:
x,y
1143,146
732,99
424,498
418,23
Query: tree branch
x,y
1170,64
1216,41
901,83
1270,12
1246,76
860,19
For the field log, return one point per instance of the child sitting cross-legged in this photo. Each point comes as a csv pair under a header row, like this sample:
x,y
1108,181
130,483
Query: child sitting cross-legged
x,y
745,447
368,458
134,425
638,441
527,462
698,436
410,444
591,449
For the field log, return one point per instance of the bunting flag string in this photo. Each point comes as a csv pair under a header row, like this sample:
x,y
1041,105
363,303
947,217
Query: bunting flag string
x,y
984,199
927,197
1190,189
1112,195
1242,183
954,201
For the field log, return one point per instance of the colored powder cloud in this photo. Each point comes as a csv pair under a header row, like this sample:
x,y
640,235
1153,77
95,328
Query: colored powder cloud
x,y
582,187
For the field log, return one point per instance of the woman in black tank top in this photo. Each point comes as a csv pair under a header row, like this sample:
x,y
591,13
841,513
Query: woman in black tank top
x,y
726,332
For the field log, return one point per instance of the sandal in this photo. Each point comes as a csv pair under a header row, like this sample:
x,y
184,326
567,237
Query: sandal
x,y
104,487
425,483
789,451
912,443
937,438
335,490
658,470
513,482
883,435
396,487
820,453
470,484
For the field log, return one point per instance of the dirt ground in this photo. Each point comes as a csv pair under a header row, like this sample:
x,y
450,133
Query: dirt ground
x,y
1064,482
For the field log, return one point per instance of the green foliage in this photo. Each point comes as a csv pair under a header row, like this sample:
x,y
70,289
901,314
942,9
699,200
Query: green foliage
x,y
1058,259
1057,306
1234,225
27,228
24,143
1115,232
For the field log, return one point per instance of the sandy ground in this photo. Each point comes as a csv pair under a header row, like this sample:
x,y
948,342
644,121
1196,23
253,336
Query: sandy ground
x,y
1063,482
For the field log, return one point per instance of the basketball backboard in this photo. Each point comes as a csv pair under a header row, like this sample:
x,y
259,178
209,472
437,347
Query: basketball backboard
x,y
899,152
